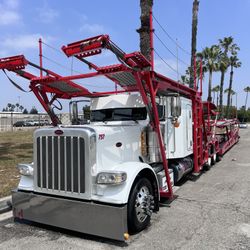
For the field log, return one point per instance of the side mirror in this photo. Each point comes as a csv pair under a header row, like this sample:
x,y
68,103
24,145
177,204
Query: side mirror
x,y
175,106
160,103
74,113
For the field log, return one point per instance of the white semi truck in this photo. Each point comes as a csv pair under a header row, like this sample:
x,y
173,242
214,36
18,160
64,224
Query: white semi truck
x,y
106,178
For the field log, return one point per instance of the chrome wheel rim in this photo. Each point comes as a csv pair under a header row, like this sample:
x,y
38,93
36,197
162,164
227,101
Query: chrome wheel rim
x,y
142,203
209,161
214,157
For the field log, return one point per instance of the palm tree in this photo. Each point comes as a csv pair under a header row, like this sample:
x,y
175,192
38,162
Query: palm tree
x,y
232,92
144,30
210,58
231,103
17,107
247,89
216,90
223,65
225,44
194,38
12,107
234,63
9,106
185,79
21,108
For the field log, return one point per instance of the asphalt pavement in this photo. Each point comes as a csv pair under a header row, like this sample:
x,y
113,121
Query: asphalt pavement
x,y
212,212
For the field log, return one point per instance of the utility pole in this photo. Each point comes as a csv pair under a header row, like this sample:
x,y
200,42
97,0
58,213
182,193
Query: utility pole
x,y
177,60
236,105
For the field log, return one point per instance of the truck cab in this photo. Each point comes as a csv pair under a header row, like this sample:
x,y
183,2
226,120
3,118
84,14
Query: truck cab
x,y
114,160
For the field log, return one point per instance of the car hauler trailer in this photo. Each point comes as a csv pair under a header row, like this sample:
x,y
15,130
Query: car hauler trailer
x,y
106,178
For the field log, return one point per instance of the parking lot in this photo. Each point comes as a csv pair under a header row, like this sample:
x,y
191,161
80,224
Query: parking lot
x,y
212,212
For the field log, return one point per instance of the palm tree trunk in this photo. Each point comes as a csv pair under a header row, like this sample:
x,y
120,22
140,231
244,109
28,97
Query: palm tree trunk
x,y
194,39
246,101
144,30
217,99
213,97
229,90
209,98
245,107
221,92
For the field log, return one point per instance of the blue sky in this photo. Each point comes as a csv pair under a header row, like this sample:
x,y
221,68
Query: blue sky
x,y
59,22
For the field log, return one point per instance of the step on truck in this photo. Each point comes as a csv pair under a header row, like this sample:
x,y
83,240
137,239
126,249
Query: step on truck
x,y
105,175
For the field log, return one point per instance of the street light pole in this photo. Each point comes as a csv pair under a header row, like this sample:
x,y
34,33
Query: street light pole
x,y
236,105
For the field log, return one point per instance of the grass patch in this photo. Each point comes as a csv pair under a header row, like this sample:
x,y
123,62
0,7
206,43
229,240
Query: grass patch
x,y
15,147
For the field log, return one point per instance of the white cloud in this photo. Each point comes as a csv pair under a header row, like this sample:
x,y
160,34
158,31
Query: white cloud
x,y
13,4
47,15
92,28
9,13
8,17
23,42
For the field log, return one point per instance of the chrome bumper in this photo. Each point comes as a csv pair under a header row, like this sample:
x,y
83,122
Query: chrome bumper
x,y
85,217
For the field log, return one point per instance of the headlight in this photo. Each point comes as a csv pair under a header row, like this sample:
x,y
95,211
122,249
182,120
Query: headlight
x,y
111,177
25,169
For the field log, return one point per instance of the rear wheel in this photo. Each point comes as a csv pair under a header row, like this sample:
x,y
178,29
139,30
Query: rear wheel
x,y
208,164
140,205
213,158
218,158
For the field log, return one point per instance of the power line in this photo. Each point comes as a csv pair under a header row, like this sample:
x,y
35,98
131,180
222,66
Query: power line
x,y
171,38
65,67
71,70
165,46
165,61
53,48
61,65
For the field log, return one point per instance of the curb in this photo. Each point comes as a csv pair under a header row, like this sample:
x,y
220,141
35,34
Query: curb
x,y
5,204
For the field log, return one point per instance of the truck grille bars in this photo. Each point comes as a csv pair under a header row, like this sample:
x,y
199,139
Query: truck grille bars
x,y
60,165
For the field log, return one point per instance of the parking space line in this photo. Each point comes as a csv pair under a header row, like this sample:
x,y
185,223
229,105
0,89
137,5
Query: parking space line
x,y
5,216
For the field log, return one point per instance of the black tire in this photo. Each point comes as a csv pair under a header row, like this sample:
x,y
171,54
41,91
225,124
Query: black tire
x,y
207,165
134,224
218,158
213,159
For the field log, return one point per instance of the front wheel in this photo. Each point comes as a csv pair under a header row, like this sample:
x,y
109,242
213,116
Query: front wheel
x,y
208,164
140,205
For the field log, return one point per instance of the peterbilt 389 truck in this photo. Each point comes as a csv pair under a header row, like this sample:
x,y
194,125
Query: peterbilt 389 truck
x,y
106,177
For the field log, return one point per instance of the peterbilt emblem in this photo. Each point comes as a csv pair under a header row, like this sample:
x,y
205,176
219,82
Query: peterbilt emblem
x,y
58,132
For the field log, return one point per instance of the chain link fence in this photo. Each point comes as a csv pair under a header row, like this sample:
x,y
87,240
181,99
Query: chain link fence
x,y
14,121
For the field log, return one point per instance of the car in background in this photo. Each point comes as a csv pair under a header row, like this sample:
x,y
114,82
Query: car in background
x,y
44,123
243,125
20,124
30,123
36,123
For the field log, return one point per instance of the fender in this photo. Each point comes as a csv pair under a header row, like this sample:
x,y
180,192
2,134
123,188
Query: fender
x,y
119,194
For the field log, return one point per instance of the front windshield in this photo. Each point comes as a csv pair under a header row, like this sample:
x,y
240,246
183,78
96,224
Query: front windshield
x,y
118,114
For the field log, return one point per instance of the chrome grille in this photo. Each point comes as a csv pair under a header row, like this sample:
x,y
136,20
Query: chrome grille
x,y
60,164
